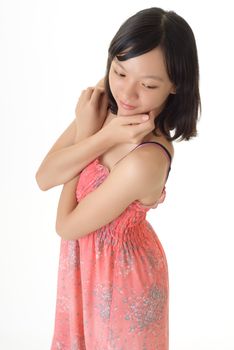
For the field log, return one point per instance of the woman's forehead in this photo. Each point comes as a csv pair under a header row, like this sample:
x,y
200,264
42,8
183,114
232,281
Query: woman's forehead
x,y
150,64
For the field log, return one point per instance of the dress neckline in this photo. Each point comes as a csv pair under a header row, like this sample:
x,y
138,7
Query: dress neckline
x,y
137,201
102,165
109,170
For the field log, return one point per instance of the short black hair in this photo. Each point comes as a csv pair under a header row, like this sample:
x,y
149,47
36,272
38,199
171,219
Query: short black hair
x,y
155,27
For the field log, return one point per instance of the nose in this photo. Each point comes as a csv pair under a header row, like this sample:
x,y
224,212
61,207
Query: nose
x,y
129,93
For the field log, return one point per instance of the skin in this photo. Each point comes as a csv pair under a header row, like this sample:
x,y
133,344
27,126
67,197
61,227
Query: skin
x,y
146,94
140,175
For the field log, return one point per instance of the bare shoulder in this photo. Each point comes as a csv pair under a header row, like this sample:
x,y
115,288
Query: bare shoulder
x,y
170,147
149,161
145,168
167,144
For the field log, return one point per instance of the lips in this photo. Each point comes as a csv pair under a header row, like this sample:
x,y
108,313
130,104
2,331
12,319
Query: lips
x,y
126,106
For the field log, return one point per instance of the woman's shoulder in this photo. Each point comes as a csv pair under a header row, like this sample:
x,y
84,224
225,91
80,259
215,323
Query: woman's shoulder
x,y
148,161
168,145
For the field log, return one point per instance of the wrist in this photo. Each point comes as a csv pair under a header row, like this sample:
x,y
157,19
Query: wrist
x,y
80,137
105,138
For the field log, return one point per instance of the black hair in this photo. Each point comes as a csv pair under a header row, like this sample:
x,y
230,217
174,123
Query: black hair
x,y
155,27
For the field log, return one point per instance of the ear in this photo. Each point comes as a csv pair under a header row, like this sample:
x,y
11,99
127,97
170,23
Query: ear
x,y
173,90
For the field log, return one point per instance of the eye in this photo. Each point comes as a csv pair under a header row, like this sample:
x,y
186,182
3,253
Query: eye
x,y
119,74
150,87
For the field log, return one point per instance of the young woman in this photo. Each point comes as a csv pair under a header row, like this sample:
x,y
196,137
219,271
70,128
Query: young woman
x,y
113,274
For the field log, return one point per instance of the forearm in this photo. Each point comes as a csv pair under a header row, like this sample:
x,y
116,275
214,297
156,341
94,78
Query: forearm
x,y
67,202
63,165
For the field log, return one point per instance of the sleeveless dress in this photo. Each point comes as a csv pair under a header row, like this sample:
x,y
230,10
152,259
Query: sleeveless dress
x,y
112,291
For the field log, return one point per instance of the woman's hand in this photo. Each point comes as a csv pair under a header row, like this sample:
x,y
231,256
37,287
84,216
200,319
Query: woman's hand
x,y
130,129
91,111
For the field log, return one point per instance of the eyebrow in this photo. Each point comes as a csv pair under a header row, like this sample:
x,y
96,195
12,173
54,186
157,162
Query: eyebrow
x,y
156,77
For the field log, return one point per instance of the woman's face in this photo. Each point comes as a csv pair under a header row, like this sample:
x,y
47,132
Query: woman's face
x,y
140,84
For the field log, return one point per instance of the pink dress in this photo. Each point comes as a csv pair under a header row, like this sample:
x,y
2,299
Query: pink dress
x,y
112,291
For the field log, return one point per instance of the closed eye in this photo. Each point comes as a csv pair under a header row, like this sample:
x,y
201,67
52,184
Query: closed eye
x,y
119,74
150,87
146,86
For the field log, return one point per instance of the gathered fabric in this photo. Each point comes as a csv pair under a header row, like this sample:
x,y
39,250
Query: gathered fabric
x,y
113,290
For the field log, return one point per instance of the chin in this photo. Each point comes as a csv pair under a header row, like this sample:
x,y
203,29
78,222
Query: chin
x,y
124,113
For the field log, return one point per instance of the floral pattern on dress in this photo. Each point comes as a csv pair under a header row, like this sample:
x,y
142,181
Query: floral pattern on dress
x,y
113,287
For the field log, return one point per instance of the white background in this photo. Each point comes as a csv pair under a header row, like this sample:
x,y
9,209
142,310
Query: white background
x,y
50,50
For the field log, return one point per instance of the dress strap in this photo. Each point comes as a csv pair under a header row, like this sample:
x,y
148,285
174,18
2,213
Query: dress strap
x,y
164,148
157,144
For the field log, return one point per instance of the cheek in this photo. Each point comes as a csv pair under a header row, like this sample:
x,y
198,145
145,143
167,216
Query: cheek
x,y
160,97
111,83
150,99
153,100
115,85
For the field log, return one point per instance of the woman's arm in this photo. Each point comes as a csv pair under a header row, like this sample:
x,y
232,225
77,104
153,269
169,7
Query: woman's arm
x,y
135,177
67,201
66,139
69,156
64,164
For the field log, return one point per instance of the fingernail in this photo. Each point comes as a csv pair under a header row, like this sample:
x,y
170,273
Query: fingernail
x,y
145,117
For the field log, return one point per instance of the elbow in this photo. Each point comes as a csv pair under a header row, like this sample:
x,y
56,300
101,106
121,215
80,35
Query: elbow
x,y
59,228
64,234
40,183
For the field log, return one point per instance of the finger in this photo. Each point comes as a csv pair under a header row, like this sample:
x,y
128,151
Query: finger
x,y
134,119
88,92
104,104
95,98
100,83
152,114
